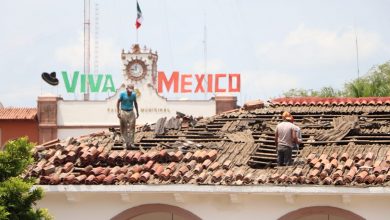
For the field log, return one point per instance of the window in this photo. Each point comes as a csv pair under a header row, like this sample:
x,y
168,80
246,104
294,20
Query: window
x,y
321,213
159,215
156,211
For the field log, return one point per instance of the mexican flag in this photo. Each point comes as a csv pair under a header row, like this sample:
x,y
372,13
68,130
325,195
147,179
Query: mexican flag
x,y
138,22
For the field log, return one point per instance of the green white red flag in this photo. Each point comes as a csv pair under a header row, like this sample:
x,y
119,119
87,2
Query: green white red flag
x,y
138,22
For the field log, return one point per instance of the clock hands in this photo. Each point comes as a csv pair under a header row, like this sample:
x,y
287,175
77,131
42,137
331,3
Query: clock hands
x,y
136,70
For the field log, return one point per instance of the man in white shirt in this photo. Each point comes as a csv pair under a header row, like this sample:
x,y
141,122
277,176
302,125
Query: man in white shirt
x,y
285,139
299,134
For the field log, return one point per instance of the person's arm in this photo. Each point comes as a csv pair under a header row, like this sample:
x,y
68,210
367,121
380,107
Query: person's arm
x,y
136,106
117,106
294,135
276,138
299,136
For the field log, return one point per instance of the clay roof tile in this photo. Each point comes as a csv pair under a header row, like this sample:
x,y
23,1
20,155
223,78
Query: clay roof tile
x,y
18,113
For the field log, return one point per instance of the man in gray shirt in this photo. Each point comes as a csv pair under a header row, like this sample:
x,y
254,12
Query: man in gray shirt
x,y
285,140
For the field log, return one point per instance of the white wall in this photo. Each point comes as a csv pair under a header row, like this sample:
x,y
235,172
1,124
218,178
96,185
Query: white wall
x,y
75,113
227,206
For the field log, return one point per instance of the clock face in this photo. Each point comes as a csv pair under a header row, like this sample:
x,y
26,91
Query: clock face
x,y
136,70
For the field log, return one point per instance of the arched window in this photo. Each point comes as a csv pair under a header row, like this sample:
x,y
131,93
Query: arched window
x,y
321,213
156,211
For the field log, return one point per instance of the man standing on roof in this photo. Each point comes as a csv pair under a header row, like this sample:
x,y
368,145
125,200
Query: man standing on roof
x,y
127,101
298,132
285,139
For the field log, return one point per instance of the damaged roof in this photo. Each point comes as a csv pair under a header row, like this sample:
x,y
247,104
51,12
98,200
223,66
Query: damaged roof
x,y
344,143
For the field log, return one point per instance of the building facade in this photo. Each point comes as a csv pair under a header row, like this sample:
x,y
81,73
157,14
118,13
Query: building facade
x,y
18,122
193,202
225,167
66,118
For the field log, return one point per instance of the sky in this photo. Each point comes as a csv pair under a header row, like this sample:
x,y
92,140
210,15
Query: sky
x,y
274,45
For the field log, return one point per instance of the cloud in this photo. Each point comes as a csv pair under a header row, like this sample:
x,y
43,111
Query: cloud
x,y
266,83
312,47
255,84
72,55
15,95
213,66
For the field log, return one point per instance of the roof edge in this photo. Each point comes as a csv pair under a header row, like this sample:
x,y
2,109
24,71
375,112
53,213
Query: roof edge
x,y
186,188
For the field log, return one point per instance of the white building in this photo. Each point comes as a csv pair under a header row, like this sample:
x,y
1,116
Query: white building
x,y
179,202
65,118
219,169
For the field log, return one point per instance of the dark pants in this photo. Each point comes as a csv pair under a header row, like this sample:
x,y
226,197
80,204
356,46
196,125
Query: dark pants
x,y
284,155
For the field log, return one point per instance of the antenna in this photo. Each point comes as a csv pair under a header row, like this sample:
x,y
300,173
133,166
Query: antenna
x,y
172,62
96,43
205,81
87,51
96,54
357,53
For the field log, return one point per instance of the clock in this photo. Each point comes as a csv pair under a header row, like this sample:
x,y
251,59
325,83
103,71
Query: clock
x,y
136,70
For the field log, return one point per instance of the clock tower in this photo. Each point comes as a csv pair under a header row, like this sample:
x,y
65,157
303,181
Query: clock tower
x,y
139,67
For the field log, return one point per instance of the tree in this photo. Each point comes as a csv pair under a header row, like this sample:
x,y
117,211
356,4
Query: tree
x,y
17,197
297,93
376,83
357,88
323,92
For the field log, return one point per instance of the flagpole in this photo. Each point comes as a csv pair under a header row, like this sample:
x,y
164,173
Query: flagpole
x,y
136,28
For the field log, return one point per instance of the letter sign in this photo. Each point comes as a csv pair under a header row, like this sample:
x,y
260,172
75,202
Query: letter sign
x,y
215,82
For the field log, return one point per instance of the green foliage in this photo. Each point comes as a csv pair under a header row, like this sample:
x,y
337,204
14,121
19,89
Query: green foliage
x,y
323,92
3,213
356,88
17,196
329,92
376,83
15,158
297,93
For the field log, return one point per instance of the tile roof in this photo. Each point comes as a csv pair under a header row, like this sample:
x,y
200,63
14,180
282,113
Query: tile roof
x,y
18,113
331,101
345,145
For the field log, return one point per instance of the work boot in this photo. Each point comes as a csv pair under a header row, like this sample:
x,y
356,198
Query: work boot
x,y
131,146
128,146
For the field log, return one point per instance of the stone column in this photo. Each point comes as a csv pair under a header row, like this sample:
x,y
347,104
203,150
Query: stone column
x,y
47,118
